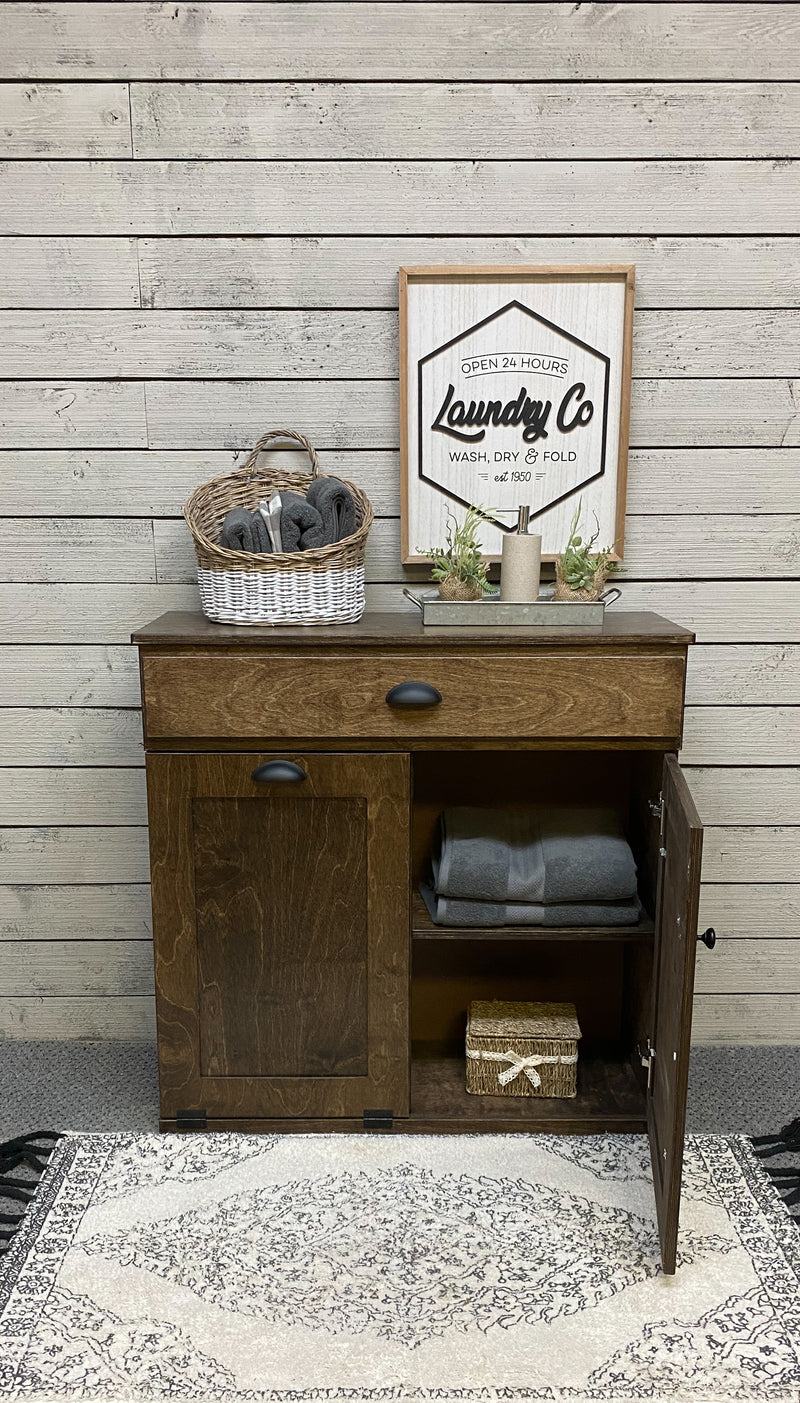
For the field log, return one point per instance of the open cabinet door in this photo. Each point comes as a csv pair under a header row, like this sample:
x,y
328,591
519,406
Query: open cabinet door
x,y
675,943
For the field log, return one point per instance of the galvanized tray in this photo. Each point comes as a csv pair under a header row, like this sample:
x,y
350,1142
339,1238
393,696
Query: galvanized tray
x,y
494,612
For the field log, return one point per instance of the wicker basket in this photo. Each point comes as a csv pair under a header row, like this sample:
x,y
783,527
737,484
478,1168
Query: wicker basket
x,y
322,586
522,1049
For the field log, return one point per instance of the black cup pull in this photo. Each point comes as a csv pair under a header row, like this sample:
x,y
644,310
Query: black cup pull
x,y
709,938
418,694
279,771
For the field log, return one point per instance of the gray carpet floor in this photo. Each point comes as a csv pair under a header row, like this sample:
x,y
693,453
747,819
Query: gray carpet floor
x,y
114,1086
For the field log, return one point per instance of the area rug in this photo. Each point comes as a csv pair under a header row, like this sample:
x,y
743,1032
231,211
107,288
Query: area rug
x,y
288,1268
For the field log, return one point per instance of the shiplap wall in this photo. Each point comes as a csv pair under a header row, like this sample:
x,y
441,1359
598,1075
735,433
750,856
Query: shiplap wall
x,y
202,211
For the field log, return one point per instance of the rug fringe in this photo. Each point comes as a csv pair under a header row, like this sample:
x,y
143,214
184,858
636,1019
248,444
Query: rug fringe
x,y
22,1151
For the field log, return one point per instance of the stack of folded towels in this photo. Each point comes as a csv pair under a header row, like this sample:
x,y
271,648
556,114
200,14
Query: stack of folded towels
x,y
536,866
289,522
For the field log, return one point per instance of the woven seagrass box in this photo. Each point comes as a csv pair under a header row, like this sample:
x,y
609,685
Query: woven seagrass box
x,y
522,1049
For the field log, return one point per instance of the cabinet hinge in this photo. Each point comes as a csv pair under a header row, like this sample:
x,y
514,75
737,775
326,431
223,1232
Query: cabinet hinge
x,y
191,1120
647,1054
378,1120
657,810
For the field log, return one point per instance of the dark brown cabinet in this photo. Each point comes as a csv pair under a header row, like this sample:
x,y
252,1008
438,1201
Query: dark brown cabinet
x,y
300,982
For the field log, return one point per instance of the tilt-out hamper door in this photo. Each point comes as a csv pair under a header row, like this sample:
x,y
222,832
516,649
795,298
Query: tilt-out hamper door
x,y
281,933
676,937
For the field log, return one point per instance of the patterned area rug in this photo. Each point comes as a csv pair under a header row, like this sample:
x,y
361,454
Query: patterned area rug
x,y
476,1268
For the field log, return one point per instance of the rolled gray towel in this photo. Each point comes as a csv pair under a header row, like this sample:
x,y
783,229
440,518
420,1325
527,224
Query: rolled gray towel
x,y
244,530
337,510
298,517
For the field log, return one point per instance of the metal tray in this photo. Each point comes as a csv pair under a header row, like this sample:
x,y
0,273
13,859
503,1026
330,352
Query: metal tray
x,y
544,613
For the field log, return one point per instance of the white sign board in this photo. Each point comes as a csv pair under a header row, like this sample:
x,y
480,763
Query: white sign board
x,y
515,390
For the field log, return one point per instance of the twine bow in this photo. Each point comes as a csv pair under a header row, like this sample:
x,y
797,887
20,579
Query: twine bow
x,y
518,1064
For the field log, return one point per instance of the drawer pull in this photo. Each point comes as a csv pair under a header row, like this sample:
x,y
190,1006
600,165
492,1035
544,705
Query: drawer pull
x,y
709,938
278,771
417,694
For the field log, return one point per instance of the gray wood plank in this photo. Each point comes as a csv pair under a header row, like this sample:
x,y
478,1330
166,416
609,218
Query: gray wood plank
x,y
764,611
72,797
78,414
73,855
486,121
656,548
69,676
119,482
58,272
67,120
112,912
78,735
764,674
76,968
270,271
49,549
88,1019
452,41
746,735
384,197
740,1019
364,414
313,345
769,911
741,795
748,854
749,967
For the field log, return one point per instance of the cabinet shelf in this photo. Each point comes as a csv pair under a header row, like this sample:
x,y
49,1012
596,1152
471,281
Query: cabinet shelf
x,y
423,928
609,1097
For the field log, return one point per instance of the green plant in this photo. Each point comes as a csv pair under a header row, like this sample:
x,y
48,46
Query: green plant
x,y
579,564
461,557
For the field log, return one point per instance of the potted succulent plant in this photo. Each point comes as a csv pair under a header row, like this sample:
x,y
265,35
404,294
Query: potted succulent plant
x,y
581,573
459,566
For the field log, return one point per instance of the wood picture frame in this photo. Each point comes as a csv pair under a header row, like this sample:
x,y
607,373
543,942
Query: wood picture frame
x,y
554,344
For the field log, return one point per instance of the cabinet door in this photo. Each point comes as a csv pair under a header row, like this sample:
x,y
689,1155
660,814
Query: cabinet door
x,y
676,937
281,933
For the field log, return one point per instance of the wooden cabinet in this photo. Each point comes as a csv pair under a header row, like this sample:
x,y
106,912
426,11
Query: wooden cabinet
x,y
294,782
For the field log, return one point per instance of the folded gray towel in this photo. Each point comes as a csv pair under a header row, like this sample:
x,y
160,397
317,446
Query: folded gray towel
x,y
298,518
337,510
537,854
451,911
244,530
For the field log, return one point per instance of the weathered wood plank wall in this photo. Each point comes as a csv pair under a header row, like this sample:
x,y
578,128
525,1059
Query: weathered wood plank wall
x,y
202,211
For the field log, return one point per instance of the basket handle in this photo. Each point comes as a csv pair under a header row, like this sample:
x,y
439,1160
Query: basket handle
x,y
271,437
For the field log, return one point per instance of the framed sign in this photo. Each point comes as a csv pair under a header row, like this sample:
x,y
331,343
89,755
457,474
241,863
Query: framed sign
x,y
514,391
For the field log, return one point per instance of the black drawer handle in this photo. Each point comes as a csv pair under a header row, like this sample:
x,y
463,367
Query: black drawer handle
x,y
709,938
279,771
413,694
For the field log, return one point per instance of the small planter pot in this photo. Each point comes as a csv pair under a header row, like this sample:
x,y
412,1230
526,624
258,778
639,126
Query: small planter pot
x,y
453,589
566,595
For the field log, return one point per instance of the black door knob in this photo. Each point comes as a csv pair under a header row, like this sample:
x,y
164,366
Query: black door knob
x,y
278,771
413,694
709,937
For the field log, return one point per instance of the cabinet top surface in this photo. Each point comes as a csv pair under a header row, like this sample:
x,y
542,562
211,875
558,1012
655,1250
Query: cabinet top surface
x,y
401,630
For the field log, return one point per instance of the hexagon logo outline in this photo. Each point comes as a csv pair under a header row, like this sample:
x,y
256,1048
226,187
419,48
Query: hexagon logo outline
x,y
567,336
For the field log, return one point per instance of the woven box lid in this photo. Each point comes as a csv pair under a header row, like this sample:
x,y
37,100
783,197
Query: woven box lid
x,y
500,1018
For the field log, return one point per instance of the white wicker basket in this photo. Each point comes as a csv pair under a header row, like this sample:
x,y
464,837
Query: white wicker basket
x,y
283,597
321,586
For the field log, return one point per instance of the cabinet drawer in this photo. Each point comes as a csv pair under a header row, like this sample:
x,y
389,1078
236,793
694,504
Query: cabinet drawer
x,y
541,694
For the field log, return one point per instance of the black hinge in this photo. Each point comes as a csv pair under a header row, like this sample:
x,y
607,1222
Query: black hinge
x,y
191,1120
378,1120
